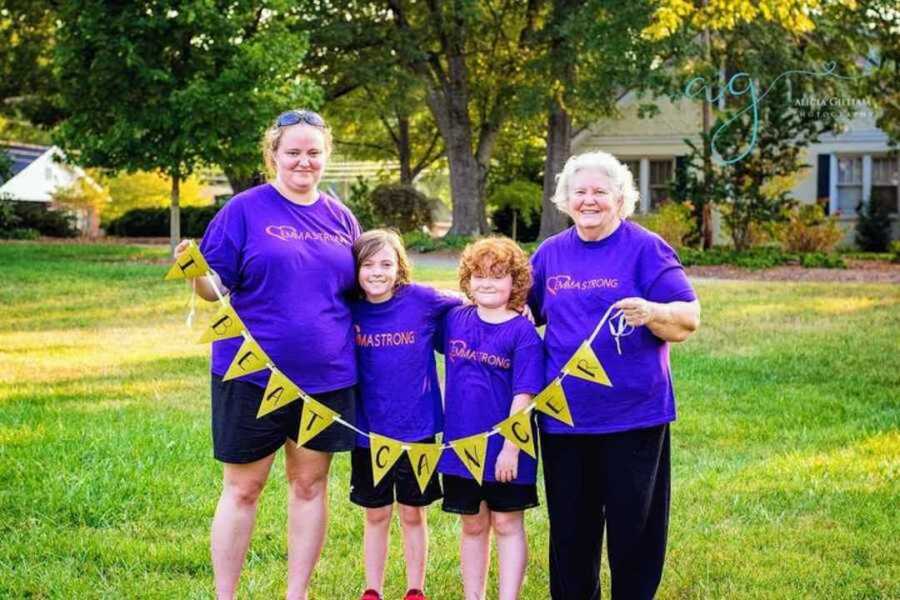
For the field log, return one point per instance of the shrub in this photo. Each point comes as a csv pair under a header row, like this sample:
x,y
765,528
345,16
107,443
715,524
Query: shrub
x,y
515,206
808,229
672,222
821,260
154,222
52,223
895,252
360,204
401,206
873,229
419,241
10,223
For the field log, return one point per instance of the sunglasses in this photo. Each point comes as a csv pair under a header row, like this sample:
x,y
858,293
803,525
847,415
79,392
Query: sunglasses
x,y
292,117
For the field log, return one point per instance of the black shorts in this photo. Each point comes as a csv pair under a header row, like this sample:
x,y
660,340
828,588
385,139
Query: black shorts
x,y
463,496
239,437
400,482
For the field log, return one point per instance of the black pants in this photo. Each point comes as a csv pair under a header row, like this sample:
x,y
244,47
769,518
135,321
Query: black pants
x,y
620,480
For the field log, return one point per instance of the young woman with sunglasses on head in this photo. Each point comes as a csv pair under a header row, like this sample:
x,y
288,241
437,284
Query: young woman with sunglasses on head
x,y
283,251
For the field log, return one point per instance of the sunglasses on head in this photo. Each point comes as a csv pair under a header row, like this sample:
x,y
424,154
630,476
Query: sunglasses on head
x,y
292,117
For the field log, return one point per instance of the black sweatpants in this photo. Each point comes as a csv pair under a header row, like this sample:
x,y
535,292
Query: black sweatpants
x,y
622,481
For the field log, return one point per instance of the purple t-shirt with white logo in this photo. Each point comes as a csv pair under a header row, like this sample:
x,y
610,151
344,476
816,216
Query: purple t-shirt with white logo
x,y
290,271
395,342
575,282
487,364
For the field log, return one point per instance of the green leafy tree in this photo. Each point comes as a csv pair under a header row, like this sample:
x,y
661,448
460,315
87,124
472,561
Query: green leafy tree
x,y
170,85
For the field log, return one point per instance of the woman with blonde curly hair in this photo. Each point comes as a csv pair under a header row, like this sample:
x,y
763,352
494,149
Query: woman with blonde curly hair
x,y
611,470
494,361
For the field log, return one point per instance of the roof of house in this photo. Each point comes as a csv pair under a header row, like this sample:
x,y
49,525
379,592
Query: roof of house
x,y
38,171
23,155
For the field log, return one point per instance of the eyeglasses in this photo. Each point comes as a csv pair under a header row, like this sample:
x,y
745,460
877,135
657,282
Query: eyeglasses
x,y
292,117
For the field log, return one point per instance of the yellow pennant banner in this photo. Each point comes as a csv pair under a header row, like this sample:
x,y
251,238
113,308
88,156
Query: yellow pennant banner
x,y
226,324
314,419
519,431
280,391
585,365
471,451
190,264
552,401
250,358
385,452
424,460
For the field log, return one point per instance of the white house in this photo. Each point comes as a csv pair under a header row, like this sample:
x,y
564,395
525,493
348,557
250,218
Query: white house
x,y
843,169
37,172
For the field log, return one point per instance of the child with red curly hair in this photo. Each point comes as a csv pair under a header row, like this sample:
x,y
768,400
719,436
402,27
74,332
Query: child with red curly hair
x,y
494,360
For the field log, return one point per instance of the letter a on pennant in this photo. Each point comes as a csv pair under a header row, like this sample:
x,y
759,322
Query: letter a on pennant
x,y
518,430
585,365
250,358
385,453
190,264
424,459
552,401
280,391
314,419
226,324
471,451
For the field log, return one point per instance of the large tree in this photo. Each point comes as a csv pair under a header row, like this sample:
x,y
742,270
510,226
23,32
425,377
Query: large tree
x,y
170,85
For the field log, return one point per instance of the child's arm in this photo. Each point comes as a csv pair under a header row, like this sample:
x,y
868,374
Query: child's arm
x,y
507,466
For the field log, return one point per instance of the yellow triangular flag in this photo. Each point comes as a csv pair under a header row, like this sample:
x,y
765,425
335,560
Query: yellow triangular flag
x,y
552,401
518,430
314,419
585,365
226,324
471,451
280,391
189,264
385,452
250,358
424,460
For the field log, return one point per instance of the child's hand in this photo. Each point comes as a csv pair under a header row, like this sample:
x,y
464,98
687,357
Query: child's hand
x,y
507,466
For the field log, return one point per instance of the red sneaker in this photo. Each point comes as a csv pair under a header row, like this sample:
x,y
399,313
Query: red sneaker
x,y
415,595
370,595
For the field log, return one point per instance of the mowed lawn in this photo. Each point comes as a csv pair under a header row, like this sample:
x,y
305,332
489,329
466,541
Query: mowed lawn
x,y
786,450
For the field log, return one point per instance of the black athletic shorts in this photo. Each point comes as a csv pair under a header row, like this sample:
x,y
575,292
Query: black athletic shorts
x,y
463,496
399,483
239,437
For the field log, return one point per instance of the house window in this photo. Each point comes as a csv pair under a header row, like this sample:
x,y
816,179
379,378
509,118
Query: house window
x,y
660,175
635,167
849,183
886,183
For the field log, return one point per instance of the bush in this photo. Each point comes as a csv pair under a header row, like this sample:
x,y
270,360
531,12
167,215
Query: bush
x,y
895,252
515,206
154,222
820,260
360,204
419,241
873,229
808,229
762,257
10,223
52,223
672,222
401,206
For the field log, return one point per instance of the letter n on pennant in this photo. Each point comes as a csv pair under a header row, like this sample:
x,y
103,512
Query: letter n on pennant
x,y
519,431
552,401
385,452
471,451
424,460
314,419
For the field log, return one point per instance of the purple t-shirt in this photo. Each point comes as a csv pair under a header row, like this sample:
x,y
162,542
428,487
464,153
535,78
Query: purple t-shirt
x,y
487,364
395,342
575,282
290,271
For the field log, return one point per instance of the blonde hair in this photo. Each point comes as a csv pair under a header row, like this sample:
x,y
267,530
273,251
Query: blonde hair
x,y
497,257
373,241
272,139
619,175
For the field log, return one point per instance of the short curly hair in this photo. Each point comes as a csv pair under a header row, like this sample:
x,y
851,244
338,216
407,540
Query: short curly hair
x,y
620,177
497,257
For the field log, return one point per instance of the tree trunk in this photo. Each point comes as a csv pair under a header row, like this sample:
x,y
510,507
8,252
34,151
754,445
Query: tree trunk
x,y
404,151
514,223
559,141
175,212
706,232
239,183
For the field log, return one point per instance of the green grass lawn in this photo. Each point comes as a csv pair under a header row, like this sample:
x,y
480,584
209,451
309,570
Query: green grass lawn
x,y
786,450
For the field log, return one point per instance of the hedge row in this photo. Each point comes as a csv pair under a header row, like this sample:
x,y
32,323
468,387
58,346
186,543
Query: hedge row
x,y
154,222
